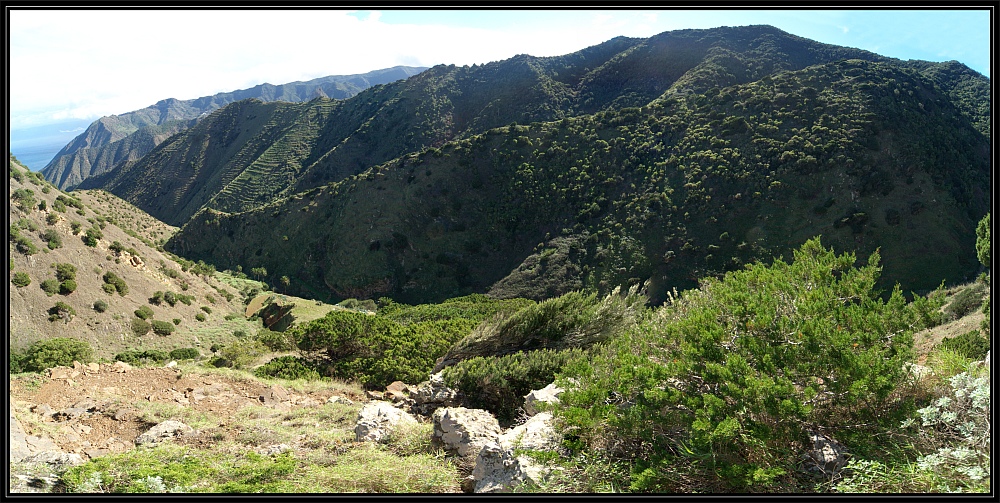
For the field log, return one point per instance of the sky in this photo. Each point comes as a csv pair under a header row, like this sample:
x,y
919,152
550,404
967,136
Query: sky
x,y
83,64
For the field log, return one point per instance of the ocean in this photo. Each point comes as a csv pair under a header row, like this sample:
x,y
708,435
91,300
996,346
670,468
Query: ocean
x,y
36,146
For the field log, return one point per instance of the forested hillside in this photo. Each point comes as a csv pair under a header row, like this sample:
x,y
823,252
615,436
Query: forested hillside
x,y
684,187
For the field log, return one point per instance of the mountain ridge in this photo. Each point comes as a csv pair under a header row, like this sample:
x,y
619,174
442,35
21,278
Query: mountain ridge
x,y
86,155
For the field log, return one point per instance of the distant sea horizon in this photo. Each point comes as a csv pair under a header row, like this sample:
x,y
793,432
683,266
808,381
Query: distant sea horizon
x,y
35,147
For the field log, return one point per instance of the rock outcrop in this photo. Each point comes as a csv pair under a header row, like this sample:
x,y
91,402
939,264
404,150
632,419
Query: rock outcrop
x,y
379,419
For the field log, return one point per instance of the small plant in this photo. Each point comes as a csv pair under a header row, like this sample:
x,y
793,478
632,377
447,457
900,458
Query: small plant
x,y
52,218
50,287
52,239
971,345
177,321
162,328
21,279
140,326
200,317
116,282
966,301
144,313
207,309
67,287
100,306
185,354
288,367
60,351
61,311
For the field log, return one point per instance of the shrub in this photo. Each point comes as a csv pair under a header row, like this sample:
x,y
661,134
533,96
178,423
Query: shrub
x,y
498,384
23,244
51,218
52,238
61,311
170,298
185,353
50,287
118,283
137,358
61,351
21,279
65,271
92,236
719,385
373,350
143,313
157,298
140,326
100,306
275,341
200,317
24,198
67,287
926,311
207,309
116,247
971,345
966,301
163,328
241,353
177,321
984,244
288,367
74,226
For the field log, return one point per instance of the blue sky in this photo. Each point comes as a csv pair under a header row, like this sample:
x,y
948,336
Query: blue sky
x,y
83,64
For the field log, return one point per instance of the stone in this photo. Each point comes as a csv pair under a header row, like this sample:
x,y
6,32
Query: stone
x,y
497,469
432,395
274,395
549,395
93,367
463,432
273,449
379,419
828,457
121,367
163,431
340,400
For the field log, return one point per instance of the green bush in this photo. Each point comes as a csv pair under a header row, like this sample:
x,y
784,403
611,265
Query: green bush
x,y
67,287
718,387
119,285
971,345
143,313
288,367
163,328
275,341
966,301
984,244
50,287
185,354
51,219
61,311
52,238
24,198
61,351
138,358
498,384
100,306
21,279
140,326
207,309
926,311
65,271
92,236
23,244
373,350
177,321
241,353
200,317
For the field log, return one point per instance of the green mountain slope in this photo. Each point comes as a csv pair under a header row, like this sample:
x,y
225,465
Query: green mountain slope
x,y
868,154
48,237
109,140
448,102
